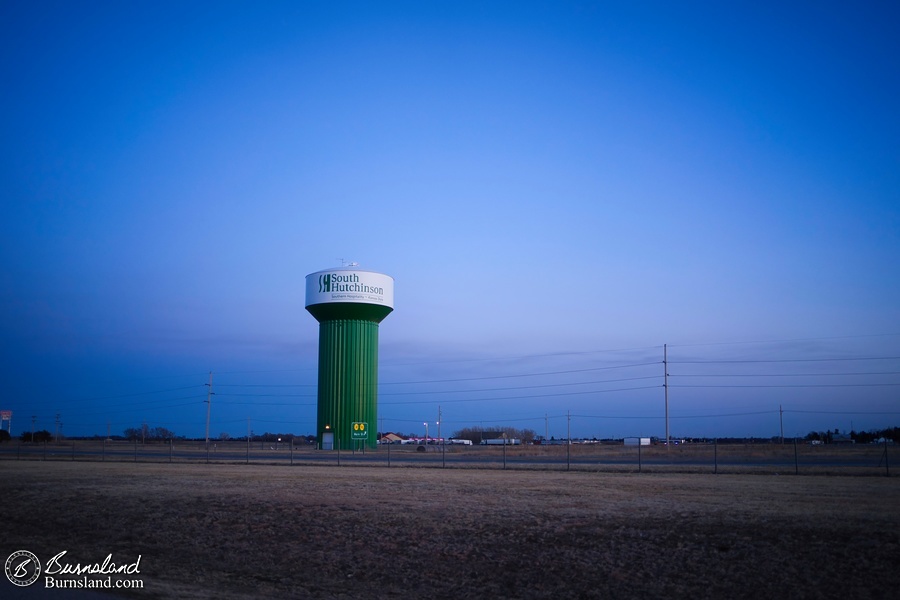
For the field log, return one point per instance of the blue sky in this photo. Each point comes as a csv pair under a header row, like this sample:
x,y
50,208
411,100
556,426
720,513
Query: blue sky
x,y
558,189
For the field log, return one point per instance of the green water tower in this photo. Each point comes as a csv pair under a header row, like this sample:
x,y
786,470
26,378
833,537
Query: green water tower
x,y
349,303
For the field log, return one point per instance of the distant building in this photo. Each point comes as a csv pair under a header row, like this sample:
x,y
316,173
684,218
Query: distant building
x,y
637,441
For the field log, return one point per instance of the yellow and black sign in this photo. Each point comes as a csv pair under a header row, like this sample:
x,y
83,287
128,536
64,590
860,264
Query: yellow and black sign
x,y
360,431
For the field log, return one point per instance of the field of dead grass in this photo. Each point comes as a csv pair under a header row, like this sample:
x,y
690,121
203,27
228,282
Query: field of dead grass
x,y
236,531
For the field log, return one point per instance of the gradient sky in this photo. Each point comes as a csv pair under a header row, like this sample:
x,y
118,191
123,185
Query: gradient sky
x,y
558,189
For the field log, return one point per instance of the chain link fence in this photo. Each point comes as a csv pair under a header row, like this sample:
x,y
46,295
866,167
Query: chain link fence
x,y
791,457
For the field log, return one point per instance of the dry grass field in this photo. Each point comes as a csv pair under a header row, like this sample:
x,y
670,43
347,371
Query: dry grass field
x,y
241,531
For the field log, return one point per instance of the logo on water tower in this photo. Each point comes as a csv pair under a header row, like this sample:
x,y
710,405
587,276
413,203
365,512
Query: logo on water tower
x,y
365,287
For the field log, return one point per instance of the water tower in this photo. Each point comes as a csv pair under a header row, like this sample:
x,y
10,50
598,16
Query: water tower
x,y
349,303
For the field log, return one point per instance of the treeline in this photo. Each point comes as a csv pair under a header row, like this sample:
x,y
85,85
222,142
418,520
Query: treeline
x,y
36,436
146,433
859,437
477,434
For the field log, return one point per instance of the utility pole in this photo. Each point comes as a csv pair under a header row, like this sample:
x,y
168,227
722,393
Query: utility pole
x,y
57,428
209,393
666,388
33,419
546,428
440,439
781,421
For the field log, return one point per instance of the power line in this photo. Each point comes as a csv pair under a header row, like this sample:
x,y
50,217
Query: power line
x,y
780,360
784,374
265,385
646,387
523,374
790,385
744,414
788,340
833,412
132,394
521,357
523,387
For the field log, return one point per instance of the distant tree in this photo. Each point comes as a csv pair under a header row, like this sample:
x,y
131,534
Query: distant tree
x,y
160,433
4,436
224,436
473,434
529,435
39,436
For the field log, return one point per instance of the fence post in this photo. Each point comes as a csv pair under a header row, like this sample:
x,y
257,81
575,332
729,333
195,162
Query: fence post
x,y
716,456
171,448
887,470
338,440
135,449
639,454
292,450
19,451
389,455
73,450
796,459
103,454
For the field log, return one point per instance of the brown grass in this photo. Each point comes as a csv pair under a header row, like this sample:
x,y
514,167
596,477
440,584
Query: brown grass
x,y
235,531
